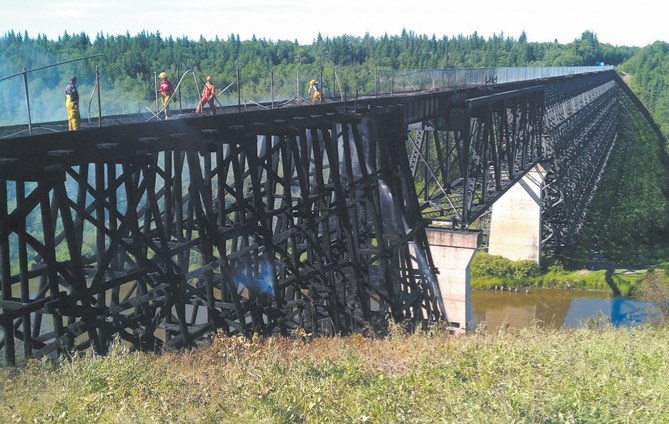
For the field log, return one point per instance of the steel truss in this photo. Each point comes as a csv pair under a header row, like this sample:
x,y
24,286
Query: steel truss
x,y
464,165
253,227
465,158
580,134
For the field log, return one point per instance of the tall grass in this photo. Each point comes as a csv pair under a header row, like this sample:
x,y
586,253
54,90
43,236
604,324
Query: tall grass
x,y
610,375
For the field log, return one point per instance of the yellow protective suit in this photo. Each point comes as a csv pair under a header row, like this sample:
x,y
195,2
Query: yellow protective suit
x,y
73,116
315,92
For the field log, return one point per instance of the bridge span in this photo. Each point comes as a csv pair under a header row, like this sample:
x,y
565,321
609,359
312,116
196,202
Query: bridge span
x,y
327,219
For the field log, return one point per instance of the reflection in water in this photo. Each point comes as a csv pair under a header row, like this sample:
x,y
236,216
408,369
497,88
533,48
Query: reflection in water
x,y
554,308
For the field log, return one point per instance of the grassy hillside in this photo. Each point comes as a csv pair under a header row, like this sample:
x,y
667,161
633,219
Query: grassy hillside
x,y
585,376
629,217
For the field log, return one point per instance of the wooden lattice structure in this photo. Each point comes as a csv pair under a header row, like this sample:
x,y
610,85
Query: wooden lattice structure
x,y
274,221
250,223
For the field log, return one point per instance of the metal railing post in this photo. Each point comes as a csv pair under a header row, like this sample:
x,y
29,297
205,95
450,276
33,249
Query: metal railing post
x,y
239,91
97,84
25,83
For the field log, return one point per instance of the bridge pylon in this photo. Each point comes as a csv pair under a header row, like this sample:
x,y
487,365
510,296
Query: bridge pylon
x,y
515,222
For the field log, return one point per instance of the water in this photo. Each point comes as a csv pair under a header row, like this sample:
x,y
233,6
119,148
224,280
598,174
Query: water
x,y
553,308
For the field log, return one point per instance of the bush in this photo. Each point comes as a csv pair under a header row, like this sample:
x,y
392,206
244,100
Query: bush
x,y
489,270
654,288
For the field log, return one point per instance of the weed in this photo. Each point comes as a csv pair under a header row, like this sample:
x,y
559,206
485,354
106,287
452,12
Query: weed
x,y
594,374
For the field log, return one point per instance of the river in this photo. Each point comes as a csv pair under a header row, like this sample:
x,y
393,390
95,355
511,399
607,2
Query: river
x,y
555,308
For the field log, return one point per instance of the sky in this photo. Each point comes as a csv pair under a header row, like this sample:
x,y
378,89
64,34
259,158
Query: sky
x,y
634,25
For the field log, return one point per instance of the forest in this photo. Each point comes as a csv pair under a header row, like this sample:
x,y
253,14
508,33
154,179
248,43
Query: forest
x,y
128,65
635,228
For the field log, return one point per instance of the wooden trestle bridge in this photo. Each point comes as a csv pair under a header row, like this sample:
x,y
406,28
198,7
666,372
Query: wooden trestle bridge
x,y
269,221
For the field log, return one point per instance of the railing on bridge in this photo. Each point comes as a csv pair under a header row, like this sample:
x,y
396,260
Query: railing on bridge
x,y
385,82
399,81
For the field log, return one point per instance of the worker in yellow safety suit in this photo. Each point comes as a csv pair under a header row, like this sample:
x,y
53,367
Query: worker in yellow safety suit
x,y
72,104
315,92
166,90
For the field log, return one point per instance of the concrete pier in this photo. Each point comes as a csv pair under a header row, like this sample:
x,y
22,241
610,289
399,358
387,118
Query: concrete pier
x,y
452,253
515,224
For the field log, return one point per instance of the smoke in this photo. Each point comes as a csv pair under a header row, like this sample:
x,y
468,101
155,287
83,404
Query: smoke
x,y
45,96
29,68
47,103
12,102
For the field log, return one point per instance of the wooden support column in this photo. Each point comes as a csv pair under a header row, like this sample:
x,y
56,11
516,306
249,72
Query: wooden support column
x,y
5,277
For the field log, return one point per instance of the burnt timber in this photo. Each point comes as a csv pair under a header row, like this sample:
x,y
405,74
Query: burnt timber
x,y
263,221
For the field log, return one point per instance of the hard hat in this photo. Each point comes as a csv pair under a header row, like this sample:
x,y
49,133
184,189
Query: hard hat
x,y
208,77
312,82
163,75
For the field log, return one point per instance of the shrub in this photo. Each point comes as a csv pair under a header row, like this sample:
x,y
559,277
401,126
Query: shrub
x,y
654,288
488,270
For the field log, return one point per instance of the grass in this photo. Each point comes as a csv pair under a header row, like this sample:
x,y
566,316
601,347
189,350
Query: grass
x,y
490,270
612,375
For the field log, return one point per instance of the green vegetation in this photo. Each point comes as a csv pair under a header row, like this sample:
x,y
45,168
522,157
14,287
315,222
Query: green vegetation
x,y
629,216
345,64
493,270
647,71
489,271
654,288
586,376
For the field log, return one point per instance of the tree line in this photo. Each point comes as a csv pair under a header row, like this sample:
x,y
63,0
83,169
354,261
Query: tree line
x,y
129,64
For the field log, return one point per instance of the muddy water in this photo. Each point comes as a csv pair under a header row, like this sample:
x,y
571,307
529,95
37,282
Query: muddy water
x,y
554,308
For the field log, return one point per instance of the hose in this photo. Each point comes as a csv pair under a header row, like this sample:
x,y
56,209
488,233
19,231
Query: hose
x,y
169,100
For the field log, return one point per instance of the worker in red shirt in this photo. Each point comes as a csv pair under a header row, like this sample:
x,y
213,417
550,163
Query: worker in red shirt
x,y
166,90
208,96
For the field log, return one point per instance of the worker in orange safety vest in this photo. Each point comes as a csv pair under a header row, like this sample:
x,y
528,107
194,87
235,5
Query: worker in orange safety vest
x,y
208,96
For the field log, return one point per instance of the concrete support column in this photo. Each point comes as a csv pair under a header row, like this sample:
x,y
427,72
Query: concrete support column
x,y
452,253
515,224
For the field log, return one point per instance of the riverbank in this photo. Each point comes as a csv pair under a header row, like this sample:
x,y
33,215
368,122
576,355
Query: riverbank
x,y
491,271
587,375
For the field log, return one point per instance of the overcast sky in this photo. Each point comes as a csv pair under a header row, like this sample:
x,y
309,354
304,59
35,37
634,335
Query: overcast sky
x,y
639,23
